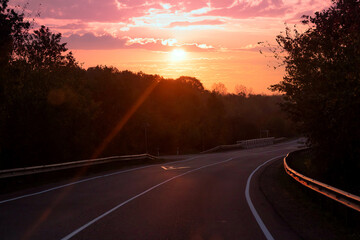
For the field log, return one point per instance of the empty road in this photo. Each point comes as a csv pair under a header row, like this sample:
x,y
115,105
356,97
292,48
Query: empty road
x,y
207,196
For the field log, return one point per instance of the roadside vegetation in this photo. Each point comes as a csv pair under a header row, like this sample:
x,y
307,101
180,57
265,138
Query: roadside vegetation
x,y
54,110
322,87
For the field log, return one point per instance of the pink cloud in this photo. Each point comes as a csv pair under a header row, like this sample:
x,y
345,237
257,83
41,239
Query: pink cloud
x,y
250,9
196,23
101,11
126,10
297,18
221,4
91,42
105,10
95,24
74,26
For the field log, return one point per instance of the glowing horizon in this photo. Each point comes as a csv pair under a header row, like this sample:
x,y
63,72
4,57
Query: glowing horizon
x,y
214,41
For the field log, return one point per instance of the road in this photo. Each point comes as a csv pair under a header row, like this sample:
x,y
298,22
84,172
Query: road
x,y
208,196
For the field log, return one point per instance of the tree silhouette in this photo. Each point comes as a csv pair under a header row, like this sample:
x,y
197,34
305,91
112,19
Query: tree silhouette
x,y
13,32
322,81
45,50
219,88
242,90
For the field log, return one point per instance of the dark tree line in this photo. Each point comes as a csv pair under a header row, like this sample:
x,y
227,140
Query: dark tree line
x,y
322,85
53,110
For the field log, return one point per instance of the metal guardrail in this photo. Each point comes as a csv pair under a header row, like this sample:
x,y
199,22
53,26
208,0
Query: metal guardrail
x,y
223,148
257,142
251,143
82,163
60,166
336,194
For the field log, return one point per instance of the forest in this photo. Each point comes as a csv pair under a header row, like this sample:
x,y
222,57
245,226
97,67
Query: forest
x,y
54,110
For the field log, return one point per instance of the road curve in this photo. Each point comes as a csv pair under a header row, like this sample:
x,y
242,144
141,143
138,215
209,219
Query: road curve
x,y
212,196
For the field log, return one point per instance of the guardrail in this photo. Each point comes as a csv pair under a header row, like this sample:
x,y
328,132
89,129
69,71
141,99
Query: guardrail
x,y
223,148
251,143
60,166
336,194
257,142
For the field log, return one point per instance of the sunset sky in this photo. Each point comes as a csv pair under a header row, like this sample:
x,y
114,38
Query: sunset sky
x,y
214,41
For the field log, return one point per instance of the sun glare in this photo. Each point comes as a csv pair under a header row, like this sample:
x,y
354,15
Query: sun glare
x,y
178,54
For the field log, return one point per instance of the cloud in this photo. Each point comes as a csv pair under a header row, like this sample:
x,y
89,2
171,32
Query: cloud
x,y
166,44
101,11
250,9
247,48
90,41
106,10
154,24
168,13
196,23
73,26
297,18
222,4
251,47
126,10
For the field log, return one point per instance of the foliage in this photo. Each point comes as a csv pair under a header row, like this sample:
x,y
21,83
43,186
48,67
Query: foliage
x,y
219,88
44,50
13,32
242,90
322,81
67,114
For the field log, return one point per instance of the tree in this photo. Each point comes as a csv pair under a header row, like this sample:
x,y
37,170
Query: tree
x,y
219,88
45,50
13,32
241,90
191,81
322,81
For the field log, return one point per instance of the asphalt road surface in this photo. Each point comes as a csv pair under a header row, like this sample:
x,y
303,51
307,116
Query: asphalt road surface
x,y
208,196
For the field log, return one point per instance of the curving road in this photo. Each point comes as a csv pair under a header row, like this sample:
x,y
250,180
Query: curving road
x,y
208,196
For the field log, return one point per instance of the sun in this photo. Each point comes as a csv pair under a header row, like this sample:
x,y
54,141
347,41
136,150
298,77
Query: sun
x,y
178,54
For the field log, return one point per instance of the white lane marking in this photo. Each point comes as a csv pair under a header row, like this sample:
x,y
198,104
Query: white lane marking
x,y
172,168
89,179
251,205
140,194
